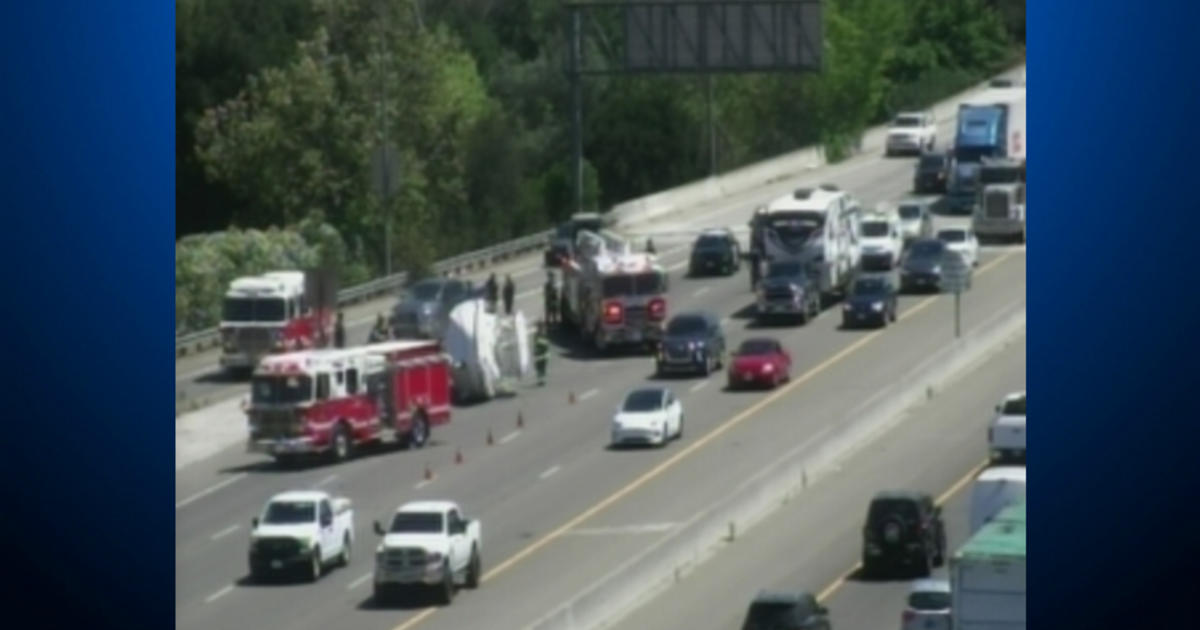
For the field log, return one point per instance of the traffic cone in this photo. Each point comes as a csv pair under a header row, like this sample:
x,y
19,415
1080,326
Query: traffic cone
x,y
490,439
428,473
458,458
520,420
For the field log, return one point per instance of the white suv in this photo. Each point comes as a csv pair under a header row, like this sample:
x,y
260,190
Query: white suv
x,y
1006,434
911,132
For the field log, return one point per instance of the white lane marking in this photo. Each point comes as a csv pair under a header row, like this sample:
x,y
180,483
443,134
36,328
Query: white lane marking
x,y
359,581
423,483
510,437
225,532
548,472
589,393
328,480
699,386
700,291
209,490
648,528
221,593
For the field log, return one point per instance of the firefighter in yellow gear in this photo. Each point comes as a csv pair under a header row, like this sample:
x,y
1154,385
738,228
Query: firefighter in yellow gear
x,y
541,352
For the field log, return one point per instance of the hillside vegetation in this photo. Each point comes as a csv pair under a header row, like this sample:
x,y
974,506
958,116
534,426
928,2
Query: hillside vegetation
x,y
281,105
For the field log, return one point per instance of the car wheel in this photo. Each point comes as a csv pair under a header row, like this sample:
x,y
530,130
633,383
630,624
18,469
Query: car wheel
x,y
314,566
473,569
679,433
446,588
344,558
924,565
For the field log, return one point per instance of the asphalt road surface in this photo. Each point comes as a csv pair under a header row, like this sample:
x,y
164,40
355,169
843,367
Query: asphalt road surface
x,y
815,542
559,510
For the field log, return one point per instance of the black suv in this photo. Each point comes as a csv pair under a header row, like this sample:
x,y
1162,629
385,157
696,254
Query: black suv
x,y
715,251
692,341
932,173
904,528
872,299
786,611
789,289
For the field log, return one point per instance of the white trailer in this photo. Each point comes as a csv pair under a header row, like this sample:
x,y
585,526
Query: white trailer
x,y
490,352
987,575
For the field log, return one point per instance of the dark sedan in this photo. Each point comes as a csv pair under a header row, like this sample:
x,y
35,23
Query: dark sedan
x,y
872,300
693,342
715,252
924,265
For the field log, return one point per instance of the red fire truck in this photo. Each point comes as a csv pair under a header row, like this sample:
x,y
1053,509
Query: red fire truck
x,y
332,402
280,311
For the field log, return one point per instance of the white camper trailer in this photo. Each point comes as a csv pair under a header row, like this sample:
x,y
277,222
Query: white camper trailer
x,y
490,352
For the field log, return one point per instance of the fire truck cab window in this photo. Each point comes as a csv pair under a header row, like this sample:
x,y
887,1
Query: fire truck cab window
x,y
352,381
633,284
254,310
323,387
277,390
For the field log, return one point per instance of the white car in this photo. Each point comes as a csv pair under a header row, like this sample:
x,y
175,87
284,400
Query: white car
x,y
961,241
911,132
927,606
648,416
302,531
1006,434
881,241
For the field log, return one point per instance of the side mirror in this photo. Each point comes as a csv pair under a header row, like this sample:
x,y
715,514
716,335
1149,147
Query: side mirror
x,y
378,529
254,523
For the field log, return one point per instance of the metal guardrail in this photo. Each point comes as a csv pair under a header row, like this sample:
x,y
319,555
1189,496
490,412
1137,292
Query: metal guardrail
x,y
456,265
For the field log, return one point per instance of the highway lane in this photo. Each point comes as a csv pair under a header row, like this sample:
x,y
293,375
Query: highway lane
x,y
816,539
378,483
502,483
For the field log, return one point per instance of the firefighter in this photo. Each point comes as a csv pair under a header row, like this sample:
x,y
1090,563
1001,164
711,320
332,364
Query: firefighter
x,y
379,333
550,293
650,246
510,291
490,292
339,332
541,352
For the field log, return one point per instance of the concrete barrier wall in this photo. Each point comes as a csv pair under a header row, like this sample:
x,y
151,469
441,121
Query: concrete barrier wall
x,y
645,575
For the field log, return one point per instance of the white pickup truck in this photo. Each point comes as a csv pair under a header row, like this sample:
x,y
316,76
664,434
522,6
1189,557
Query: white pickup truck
x,y
1006,433
304,531
428,545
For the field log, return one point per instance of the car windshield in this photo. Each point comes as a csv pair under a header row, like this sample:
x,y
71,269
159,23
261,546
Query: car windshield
x,y
416,523
785,270
934,160
1015,407
648,283
927,249
929,600
254,310
884,508
870,286
874,229
952,236
686,326
770,615
754,347
643,400
424,291
712,241
280,390
907,121
910,212
290,512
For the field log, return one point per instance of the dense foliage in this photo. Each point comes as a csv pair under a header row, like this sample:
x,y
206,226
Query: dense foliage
x,y
282,105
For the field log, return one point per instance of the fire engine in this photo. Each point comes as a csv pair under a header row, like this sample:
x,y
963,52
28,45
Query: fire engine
x,y
611,295
280,311
332,402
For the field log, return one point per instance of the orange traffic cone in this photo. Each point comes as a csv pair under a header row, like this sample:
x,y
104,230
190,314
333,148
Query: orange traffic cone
x,y
428,473
520,420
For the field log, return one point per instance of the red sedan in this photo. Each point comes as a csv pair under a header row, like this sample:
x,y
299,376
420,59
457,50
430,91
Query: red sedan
x,y
760,361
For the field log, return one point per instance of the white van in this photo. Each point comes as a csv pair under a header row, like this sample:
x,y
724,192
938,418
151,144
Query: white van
x,y
995,488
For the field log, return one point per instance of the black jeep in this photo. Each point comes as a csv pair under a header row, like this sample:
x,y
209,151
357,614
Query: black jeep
x,y
904,529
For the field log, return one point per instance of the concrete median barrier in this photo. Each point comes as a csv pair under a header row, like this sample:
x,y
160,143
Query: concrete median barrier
x,y
668,560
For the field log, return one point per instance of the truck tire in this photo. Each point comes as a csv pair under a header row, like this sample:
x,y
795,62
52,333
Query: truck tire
x,y
377,595
343,442
445,594
314,566
344,557
473,569
418,433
